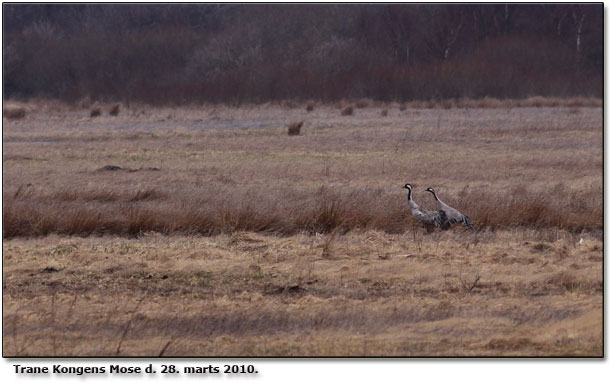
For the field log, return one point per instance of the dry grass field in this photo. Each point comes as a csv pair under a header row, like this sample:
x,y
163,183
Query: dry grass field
x,y
210,231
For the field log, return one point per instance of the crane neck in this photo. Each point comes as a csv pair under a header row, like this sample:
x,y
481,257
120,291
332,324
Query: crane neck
x,y
409,194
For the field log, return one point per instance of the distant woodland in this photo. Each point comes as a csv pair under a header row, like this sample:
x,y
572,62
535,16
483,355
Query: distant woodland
x,y
240,53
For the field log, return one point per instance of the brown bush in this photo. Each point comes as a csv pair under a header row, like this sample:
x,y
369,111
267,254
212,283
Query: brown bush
x,y
309,107
294,129
13,112
348,111
342,63
95,112
384,113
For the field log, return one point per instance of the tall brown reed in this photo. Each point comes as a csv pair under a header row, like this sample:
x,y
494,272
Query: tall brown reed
x,y
284,212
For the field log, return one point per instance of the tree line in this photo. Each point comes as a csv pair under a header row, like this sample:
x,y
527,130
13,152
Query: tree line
x,y
234,53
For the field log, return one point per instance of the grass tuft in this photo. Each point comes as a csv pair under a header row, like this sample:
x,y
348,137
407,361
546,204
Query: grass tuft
x,y
114,110
362,104
348,111
12,112
294,129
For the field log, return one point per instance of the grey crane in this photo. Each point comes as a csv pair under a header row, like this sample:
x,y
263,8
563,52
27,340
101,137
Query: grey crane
x,y
430,219
453,216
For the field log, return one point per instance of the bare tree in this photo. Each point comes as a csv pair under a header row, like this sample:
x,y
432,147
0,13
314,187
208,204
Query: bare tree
x,y
398,21
559,14
579,14
444,26
502,19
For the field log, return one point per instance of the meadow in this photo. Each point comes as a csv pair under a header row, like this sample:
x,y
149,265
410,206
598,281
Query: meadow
x,y
207,230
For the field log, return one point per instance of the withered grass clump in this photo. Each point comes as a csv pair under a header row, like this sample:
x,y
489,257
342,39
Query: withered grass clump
x,y
422,104
447,104
216,210
572,282
362,104
106,195
384,113
574,110
114,110
84,103
348,111
309,107
13,112
494,103
576,212
95,112
294,129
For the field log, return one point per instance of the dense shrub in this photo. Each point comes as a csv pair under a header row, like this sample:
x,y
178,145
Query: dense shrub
x,y
177,54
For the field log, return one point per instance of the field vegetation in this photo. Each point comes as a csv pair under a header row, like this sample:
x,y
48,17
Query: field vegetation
x,y
208,230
